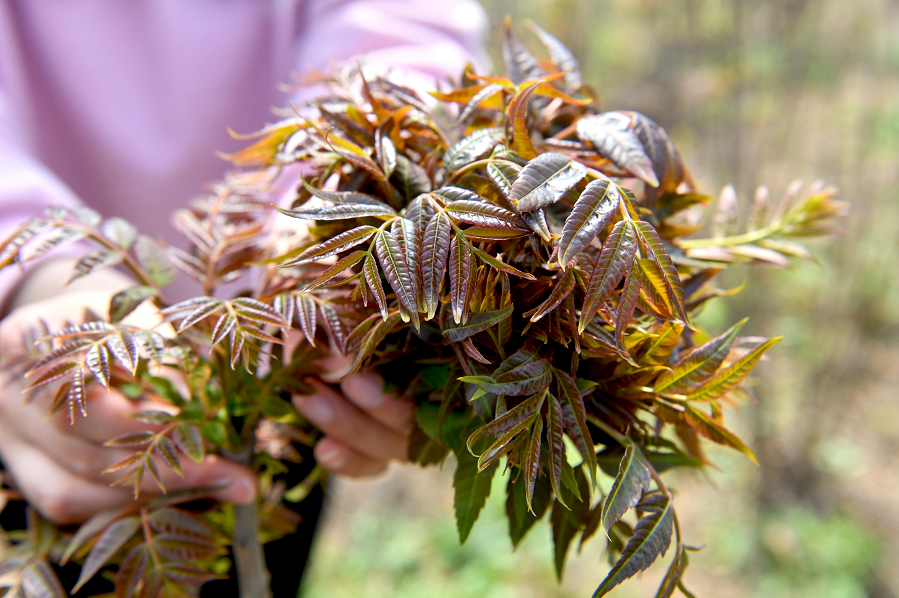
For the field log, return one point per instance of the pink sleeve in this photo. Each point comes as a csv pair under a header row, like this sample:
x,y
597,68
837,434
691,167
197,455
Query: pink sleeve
x,y
26,188
417,41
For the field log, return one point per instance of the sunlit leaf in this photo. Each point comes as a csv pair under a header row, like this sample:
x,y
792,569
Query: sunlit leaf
x,y
544,180
652,536
593,211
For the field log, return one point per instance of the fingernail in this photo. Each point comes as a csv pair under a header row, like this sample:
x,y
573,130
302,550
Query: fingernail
x,y
319,410
238,490
370,388
331,457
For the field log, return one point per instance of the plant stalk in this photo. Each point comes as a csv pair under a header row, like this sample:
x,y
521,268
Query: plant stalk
x,y
249,560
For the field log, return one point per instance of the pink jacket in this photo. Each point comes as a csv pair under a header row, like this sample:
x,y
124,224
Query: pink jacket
x,y
122,104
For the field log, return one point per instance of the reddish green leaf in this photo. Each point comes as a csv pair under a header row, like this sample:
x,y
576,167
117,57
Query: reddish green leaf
x,y
614,263
700,364
109,542
544,180
593,211
460,272
632,481
332,246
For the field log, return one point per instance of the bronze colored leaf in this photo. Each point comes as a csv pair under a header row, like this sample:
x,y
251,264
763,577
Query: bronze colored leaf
x,y
373,279
38,580
517,118
519,62
398,273
574,418
483,214
339,212
626,304
544,180
409,239
334,245
435,247
561,56
531,465
481,97
500,265
165,448
503,173
307,316
97,361
593,211
333,271
561,290
335,326
222,327
613,136
130,572
93,261
345,197
555,445
460,271
109,542
469,149
450,194
420,211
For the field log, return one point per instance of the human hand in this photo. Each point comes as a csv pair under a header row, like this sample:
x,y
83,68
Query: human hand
x,y
365,427
57,465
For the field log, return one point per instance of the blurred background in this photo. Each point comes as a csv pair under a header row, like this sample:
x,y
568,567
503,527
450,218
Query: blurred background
x,y
752,92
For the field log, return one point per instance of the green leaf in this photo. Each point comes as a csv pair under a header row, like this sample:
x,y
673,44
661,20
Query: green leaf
x,y
414,179
632,480
651,538
469,149
614,138
153,260
125,302
667,336
109,542
476,323
592,212
521,520
527,378
332,246
704,425
472,487
614,263
674,574
566,523
544,180
700,364
727,379
522,413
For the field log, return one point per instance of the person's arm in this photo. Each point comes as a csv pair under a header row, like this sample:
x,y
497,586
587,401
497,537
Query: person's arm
x,y
418,42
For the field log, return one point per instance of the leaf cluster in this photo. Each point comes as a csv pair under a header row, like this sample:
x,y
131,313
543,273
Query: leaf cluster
x,y
519,264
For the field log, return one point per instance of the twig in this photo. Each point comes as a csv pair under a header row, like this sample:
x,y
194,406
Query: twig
x,y
249,560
